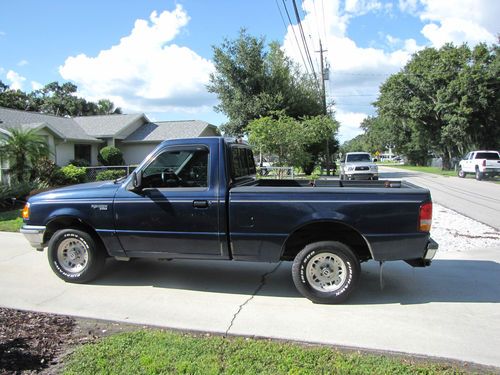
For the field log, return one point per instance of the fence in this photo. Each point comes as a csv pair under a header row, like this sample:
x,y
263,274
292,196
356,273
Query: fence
x,y
93,172
276,172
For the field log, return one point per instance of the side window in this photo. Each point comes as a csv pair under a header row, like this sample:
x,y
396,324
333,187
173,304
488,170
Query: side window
x,y
178,168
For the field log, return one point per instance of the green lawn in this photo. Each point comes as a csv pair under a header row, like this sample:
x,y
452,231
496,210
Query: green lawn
x,y
10,221
433,170
160,352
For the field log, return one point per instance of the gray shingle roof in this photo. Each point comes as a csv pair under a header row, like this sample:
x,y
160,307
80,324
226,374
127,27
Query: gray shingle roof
x,y
159,131
106,125
12,118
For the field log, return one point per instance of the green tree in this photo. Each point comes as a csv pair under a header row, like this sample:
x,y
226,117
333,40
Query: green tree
x,y
252,81
23,148
318,131
298,143
56,99
444,101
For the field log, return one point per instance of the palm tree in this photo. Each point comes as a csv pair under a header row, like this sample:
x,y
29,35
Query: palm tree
x,y
23,148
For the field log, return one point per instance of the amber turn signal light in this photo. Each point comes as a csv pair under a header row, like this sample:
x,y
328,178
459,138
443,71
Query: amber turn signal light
x,y
26,211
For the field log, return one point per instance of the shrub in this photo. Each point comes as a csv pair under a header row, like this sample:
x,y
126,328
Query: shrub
x,y
69,175
44,170
110,175
110,155
9,194
79,162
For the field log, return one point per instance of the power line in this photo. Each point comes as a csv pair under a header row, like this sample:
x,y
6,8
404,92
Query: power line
x,y
294,35
306,47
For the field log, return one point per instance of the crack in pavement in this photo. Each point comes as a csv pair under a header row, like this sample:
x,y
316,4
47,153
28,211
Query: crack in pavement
x,y
257,290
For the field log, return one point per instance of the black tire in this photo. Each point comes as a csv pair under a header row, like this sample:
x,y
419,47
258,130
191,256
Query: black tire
x,y
461,173
479,175
333,255
75,256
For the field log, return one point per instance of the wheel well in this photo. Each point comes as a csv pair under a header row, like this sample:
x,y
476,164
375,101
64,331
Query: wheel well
x,y
67,223
325,231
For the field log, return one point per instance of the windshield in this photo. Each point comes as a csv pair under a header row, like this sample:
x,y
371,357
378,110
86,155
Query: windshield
x,y
358,157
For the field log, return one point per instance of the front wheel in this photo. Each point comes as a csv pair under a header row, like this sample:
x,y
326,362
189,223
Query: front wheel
x,y
75,256
326,272
461,173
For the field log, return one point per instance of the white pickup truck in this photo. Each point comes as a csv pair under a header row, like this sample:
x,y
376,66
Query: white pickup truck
x,y
358,166
481,163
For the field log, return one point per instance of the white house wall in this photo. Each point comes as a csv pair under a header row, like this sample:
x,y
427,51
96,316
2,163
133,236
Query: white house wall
x,y
135,153
65,151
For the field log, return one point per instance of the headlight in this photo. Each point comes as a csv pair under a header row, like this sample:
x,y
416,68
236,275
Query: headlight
x,y
373,167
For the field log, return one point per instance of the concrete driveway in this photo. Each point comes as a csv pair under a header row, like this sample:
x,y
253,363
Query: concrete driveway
x,y
451,309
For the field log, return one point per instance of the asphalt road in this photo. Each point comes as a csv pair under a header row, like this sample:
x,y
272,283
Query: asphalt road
x,y
479,200
448,310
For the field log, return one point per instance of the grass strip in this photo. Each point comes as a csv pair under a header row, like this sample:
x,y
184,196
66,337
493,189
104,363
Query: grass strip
x,y
10,221
162,352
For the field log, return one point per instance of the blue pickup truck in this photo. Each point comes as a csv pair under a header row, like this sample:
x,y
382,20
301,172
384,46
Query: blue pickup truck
x,y
200,199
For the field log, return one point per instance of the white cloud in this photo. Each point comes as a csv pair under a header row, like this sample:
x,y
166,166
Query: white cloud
x,y
360,7
349,124
408,6
145,71
460,21
356,72
2,33
36,85
23,63
16,80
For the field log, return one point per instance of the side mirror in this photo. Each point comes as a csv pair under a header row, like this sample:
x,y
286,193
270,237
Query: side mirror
x,y
137,180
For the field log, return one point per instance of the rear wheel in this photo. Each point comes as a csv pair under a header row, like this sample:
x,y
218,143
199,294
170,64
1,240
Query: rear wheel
x,y
479,175
75,256
326,272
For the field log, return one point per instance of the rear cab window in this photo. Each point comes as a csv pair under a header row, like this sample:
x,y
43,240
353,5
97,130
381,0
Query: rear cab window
x,y
488,155
242,164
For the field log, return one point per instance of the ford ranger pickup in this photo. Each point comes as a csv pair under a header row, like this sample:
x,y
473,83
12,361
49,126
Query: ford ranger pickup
x,y
200,199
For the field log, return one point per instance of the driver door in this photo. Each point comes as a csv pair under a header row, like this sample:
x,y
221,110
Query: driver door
x,y
176,211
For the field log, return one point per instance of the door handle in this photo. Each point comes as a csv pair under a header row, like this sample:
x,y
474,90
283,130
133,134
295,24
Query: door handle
x,y
200,204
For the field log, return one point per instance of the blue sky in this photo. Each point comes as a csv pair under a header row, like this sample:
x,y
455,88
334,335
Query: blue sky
x,y
159,63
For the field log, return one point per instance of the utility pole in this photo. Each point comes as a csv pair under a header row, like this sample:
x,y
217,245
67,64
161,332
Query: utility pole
x,y
323,98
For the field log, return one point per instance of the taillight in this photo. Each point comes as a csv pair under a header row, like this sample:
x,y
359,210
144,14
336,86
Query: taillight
x,y
484,163
425,217
26,211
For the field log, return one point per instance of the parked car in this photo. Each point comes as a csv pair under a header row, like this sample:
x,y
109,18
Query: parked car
x,y
200,199
358,166
481,163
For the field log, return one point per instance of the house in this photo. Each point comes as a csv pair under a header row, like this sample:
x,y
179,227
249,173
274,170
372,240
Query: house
x,y
82,137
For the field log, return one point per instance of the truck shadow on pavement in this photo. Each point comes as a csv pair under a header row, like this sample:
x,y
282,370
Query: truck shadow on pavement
x,y
473,281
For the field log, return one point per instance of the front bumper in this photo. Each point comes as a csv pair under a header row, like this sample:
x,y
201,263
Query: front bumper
x,y
34,234
362,176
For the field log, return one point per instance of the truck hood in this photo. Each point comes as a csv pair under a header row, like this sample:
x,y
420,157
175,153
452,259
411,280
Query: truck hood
x,y
91,190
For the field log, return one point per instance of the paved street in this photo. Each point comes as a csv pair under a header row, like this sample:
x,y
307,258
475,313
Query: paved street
x,y
450,309
479,200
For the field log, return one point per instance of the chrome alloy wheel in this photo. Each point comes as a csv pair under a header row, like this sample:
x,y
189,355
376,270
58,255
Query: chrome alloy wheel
x,y
326,272
72,255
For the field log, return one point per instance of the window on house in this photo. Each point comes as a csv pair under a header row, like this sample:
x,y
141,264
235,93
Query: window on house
x,y
83,152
